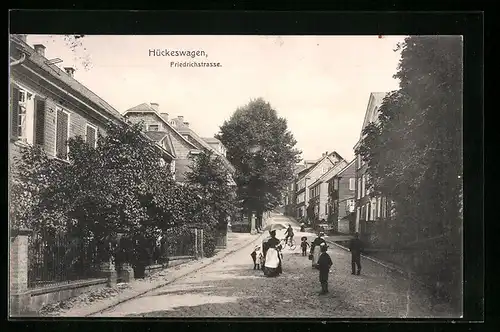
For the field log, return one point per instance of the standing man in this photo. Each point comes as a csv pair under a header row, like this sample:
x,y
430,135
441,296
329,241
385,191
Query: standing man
x,y
289,233
356,246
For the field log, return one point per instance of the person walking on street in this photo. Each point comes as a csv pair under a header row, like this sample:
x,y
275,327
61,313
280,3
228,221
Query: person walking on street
x,y
289,234
324,265
315,253
304,244
356,246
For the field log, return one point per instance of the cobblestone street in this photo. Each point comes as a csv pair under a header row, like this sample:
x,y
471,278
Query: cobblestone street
x,y
231,288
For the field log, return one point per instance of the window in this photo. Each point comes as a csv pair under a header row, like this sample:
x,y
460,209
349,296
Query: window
x,y
352,184
363,186
363,213
367,211
20,101
172,123
62,134
373,212
153,127
379,201
359,188
91,135
39,122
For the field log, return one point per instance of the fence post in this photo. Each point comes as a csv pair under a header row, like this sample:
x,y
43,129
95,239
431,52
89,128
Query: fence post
x,y
108,270
19,295
195,230
126,272
201,243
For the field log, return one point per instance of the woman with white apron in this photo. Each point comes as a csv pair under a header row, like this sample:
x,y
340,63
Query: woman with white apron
x,y
272,257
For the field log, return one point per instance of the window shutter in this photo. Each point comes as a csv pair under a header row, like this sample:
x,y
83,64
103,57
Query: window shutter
x,y
39,122
90,136
14,107
62,134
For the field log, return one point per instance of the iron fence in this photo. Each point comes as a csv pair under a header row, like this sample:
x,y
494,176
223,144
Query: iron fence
x,y
179,242
58,258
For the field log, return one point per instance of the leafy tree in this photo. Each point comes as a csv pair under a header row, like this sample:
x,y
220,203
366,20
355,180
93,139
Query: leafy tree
x,y
261,175
211,179
414,152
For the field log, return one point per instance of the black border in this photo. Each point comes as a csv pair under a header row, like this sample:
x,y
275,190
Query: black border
x,y
468,24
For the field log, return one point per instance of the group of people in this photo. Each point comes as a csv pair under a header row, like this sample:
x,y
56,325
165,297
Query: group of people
x,y
269,259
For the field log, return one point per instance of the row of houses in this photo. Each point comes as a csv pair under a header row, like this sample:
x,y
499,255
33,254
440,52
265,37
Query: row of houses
x,y
48,106
333,191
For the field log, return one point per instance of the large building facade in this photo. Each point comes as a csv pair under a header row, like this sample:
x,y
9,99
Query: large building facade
x,y
369,208
308,176
48,105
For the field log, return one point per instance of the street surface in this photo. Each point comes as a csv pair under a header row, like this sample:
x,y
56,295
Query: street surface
x,y
231,288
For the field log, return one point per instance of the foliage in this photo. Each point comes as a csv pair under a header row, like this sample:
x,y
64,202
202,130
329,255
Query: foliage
x,y
119,187
263,175
210,179
414,151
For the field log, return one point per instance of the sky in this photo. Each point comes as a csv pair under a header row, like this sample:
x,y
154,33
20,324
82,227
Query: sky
x,y
319,84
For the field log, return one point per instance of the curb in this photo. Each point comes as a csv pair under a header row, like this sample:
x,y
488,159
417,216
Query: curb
x,y
209,262
379,262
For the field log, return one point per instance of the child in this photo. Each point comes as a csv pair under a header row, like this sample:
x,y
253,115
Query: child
x,y
304,244
256,257
324,265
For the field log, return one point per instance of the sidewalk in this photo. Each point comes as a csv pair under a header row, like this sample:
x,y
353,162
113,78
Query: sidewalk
x,y
136,288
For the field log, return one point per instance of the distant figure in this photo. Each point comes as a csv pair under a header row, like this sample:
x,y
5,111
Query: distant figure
x,y
289,233
324,265
302,227
356,246
304,244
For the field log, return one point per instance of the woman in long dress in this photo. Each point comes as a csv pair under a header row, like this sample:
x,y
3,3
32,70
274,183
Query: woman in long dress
x,y
271,250
316,253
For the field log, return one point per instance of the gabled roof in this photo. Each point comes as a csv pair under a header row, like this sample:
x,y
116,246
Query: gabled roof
x,y
374,102
162,136
64,78
320,160
156,136
146,108
346,167
185,130
330,173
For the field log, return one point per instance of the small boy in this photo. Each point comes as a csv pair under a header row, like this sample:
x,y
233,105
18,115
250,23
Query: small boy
x,y
324,265
304,244
256,257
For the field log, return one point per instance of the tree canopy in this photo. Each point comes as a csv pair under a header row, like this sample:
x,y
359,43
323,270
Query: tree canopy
x,y
414,154
262,174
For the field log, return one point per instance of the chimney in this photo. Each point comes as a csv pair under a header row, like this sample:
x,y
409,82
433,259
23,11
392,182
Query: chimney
x,y
181,118
70,71
155,106
40,49
186,124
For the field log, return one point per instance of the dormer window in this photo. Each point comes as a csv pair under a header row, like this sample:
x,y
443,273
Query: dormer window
x,y
153,127
172,123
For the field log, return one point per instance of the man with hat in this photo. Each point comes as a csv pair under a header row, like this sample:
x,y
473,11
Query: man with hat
x,y
315,253
324,265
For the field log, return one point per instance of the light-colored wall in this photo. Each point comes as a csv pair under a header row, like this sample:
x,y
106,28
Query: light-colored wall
x,y
78,119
